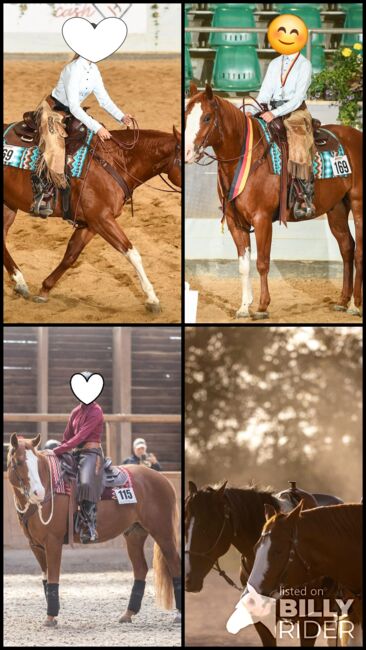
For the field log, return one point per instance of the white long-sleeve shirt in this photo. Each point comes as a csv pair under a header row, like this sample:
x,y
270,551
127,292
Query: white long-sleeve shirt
x,y
79,79
295,88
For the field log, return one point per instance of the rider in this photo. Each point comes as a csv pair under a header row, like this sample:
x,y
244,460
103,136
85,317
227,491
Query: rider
x,y
82,436
77,81
140,457
284,88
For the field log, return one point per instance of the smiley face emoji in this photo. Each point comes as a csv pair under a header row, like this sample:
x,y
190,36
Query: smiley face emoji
x,y
287,34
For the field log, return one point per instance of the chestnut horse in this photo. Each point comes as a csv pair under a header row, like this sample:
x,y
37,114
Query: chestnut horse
x,y
215,122
297,547
97,199
155,513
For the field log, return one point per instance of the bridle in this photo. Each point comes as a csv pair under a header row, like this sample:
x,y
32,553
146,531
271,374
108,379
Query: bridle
x,y
24,490
294,552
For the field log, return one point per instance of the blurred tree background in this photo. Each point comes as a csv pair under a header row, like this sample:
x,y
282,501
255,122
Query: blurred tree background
x,y
273,404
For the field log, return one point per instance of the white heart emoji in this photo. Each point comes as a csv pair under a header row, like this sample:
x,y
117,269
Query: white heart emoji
x,y
86,390
94,44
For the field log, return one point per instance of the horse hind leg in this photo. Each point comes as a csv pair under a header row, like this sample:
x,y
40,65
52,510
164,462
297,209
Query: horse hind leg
x,y
338,223
14,271
135,539
355,307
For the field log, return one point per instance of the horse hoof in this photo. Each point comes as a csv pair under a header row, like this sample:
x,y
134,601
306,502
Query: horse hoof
x,y
339,308
153,307
22,291
39,299
260,315
48,623
355,311
178,619
125,619
242,314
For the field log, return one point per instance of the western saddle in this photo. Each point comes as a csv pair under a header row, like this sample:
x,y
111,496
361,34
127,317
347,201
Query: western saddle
x,y
26,133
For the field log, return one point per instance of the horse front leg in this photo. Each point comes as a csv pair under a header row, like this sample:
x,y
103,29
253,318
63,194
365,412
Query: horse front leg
x,y
79,239
14,271
338,223
135,540
53,557
263,234
109,229
242,243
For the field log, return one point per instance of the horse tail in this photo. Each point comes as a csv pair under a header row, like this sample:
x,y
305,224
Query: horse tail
x,y
164,593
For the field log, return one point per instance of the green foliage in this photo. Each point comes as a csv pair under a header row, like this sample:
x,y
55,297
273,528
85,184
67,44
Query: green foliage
x,y
342,82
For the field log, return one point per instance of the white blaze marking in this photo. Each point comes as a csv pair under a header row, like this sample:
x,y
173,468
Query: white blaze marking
x,y
34,479
192,128
247,294
188,544
19,279
134,257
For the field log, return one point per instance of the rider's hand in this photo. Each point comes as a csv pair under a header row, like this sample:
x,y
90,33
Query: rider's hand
x,y
153,459
103,133
268,116
127,120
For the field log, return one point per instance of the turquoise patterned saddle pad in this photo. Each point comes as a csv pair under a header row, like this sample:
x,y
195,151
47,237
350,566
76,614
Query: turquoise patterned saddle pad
x,y
27,157
322,163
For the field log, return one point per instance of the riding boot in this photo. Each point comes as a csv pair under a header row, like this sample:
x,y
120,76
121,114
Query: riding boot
x,y
88,514
305,209
42,201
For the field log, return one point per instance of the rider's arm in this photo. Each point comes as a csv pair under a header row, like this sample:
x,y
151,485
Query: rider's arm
x,y
302,84
104,99
266,92
93,424
73,83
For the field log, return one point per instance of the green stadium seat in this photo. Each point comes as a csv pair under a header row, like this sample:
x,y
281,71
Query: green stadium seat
x,y
235,16
317,58
246,5
236,68
188,70
353,19
310,16
187,35
283,8
345,6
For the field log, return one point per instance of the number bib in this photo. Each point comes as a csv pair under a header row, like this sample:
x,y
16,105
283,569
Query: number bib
x,y
125,495
340,165
10,152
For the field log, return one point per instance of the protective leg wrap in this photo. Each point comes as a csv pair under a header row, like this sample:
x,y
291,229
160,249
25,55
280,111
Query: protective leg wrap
x,y
45,587
136,595
177,583
53,603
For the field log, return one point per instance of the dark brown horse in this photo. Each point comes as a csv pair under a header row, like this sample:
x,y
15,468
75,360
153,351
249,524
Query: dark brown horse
x,y
215,519
155,513
98,200
297,547
215,122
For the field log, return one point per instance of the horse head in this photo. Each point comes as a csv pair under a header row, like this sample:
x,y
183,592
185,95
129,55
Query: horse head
x,y
206,531
275,555
23,468
175,171
201,122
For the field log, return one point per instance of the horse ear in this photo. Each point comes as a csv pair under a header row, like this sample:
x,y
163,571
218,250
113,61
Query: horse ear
x,y
209,93
295,513
193,90
177,135
192,487
36,441
269,511
220,491
14,440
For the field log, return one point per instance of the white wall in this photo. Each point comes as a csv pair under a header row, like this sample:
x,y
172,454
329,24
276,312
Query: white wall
x,y
39,30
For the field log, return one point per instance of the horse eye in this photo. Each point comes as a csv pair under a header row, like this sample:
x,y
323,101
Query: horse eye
x,y
207,118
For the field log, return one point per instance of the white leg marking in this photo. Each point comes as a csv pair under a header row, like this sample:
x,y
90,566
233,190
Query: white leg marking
x,y
134,257
44,575
20,284
192,128
188,545
247,294
352,309
36,488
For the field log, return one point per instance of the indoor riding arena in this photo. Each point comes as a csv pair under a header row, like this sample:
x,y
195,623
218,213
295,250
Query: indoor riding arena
x,y
306,269
141,368
143,79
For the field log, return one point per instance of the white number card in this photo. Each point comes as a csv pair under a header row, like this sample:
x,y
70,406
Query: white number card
x,y
341,166
125,495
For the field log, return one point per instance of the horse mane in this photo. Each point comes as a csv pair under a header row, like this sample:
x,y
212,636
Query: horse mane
x,y
247,507
150,139
236,118
339,518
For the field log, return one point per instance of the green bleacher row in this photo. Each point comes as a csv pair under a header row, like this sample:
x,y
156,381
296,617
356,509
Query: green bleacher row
x,y
236,66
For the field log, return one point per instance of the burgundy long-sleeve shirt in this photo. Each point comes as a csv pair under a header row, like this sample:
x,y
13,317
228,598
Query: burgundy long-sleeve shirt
x,y
85,425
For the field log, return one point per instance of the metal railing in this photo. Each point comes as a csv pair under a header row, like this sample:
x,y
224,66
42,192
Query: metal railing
x,y
263,30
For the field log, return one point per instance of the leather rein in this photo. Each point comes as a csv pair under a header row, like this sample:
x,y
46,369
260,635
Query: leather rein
x,y
294,552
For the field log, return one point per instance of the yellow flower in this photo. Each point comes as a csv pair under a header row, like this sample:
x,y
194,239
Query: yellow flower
x,y
357,46
346,52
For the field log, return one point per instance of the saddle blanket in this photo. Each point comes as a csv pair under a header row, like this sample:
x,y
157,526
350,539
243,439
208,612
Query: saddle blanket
x,y
27,157
323,164
63,487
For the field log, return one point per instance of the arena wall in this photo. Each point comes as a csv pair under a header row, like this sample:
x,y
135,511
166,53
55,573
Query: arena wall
x,y
151,27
